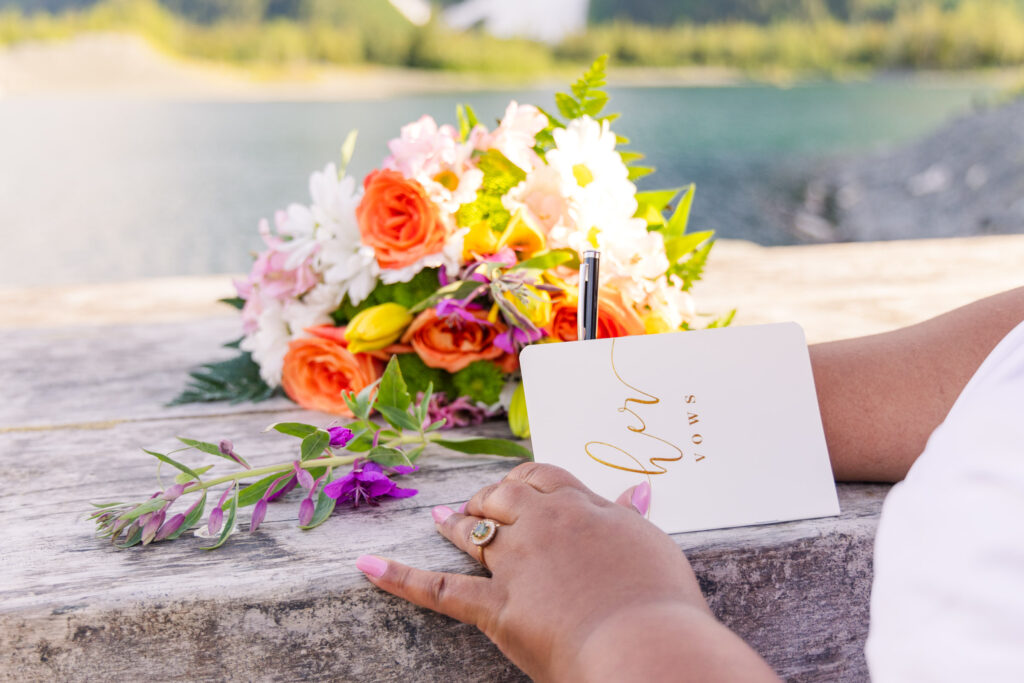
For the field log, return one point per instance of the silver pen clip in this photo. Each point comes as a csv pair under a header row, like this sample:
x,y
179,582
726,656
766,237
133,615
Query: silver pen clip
x,y
581,331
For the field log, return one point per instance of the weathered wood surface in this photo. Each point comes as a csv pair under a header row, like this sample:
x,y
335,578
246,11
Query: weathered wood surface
x,y
283,604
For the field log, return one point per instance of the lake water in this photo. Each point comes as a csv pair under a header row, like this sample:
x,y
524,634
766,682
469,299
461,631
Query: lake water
x,y
96,190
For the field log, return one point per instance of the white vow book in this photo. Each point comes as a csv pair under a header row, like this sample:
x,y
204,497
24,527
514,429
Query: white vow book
x,y
723,423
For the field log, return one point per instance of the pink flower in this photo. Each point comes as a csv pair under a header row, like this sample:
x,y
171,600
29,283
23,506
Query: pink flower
x,y
271,279
434,157
515,136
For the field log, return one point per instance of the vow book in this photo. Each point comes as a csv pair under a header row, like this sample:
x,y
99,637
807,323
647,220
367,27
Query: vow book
x,y
723,423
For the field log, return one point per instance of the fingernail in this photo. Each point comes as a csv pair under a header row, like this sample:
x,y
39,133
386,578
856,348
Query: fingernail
x,y
462,508
641,498
441,513
371,565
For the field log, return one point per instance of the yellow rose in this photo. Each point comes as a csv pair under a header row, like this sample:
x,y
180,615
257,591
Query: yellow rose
x,y
377,327
535,304
523,236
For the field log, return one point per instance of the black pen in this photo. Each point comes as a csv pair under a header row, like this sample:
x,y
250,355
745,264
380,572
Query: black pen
x,y
586,311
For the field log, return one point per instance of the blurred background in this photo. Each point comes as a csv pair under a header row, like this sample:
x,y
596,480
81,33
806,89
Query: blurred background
x,y
145,138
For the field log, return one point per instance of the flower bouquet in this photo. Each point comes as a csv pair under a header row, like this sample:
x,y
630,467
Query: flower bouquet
x,y
462,248
402,306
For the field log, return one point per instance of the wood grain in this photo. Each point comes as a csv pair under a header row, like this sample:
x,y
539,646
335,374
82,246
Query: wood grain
x,y
284,604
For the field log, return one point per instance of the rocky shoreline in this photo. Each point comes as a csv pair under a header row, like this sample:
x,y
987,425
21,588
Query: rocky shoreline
x,y
966,179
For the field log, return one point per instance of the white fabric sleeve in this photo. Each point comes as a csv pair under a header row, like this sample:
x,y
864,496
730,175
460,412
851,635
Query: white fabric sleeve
x,y
947,603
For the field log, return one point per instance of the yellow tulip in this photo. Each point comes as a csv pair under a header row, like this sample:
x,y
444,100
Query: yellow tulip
x,y
479,241
517,418
535,305
377,327
523,236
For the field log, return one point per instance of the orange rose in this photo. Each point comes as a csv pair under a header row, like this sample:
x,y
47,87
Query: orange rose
x,y
453,345
398,220
317,371
614,318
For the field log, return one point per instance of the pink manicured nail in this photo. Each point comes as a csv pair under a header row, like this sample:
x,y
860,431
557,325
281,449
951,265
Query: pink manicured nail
x,y
441,513
371,565
641,498
462,508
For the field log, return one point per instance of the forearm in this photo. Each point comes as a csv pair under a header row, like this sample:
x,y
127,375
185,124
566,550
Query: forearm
x,y
882,396
674,642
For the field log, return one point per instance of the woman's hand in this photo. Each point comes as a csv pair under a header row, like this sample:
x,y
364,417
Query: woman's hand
x,y
581,588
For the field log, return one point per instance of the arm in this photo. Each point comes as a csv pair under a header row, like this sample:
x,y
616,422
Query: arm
x,y
882,396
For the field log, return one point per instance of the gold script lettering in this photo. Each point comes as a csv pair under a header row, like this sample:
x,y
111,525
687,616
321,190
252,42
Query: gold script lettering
x,y
654,466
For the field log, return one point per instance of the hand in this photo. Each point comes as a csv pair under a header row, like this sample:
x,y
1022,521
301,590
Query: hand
x,y
571,573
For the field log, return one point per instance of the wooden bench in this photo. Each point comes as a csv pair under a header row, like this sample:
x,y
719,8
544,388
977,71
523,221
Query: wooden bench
x,y
283,604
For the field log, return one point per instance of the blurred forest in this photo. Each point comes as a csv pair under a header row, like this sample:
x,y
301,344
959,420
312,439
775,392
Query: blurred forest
x,y
817,37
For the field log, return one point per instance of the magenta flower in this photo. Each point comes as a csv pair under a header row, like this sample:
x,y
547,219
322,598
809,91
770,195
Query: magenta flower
x,y
367,482
340,436
516,338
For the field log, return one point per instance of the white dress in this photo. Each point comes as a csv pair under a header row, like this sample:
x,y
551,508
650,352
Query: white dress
x,y
947,602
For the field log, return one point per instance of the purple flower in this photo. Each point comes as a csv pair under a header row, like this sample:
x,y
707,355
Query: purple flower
x,y
291,483
306,510
170,526
303,476
516,338
461,412
456,311
340,436
259,511
367,482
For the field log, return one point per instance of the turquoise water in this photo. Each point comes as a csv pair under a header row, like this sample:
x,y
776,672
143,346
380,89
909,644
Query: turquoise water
x,y
95,190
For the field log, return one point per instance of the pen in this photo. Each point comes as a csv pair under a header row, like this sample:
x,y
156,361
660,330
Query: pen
x,y
586,311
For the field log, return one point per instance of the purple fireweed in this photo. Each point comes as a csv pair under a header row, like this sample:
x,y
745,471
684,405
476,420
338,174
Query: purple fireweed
x,y
515,338
367,482
340,436
289,485
303,476
259,511
462,412
457,311
170,526
153,525
174,492
306,510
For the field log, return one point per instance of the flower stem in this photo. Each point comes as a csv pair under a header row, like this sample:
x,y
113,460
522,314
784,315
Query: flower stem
x,y
272,469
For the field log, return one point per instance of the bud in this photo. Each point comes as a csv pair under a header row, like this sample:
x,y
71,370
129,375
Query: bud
x,y
259,511
152,526
517,418
170,526
377,327
306,509
340,436
174,492
304,477
216,520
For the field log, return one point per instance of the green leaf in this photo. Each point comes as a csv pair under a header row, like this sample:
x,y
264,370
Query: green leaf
x,y
361,404
467,120
292,429
173,463
691,269
628,157
234,301
104,505
348,148
142,508
324,507
393,393
723,321
229,523
237,380
212,449
256,490
678,247
185,478
434,426
135,539
191,519
550,259
567,106
399,419
593,106
502,447
388,457
681,216
552,120
637,172
424,404
314,444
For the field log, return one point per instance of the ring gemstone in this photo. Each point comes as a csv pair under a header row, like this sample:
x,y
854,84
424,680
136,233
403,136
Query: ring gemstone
x,y
483,533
